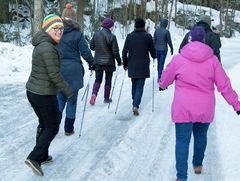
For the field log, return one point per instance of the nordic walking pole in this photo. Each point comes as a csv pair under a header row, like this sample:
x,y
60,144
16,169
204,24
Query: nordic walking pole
x,y
113,86
120,92
84,93
153,87
85,103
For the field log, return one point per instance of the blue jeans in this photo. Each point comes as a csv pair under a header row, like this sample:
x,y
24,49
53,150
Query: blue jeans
x,y
161,56
137,91
71,106
183,137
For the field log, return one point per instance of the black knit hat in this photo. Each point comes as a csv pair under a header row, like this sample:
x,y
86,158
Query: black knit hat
x,y
139,23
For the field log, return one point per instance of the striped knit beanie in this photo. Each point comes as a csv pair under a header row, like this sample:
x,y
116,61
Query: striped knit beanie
x,y
50,21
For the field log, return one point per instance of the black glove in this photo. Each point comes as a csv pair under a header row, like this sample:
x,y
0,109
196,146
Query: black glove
x,y
172,51
125,67
91,67
238,112
160,89
119,63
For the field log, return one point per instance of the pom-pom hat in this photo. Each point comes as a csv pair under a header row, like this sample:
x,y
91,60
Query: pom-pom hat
x,y
51,21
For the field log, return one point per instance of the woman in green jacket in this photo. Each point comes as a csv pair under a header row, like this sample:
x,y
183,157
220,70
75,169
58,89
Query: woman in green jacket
x,y
42,86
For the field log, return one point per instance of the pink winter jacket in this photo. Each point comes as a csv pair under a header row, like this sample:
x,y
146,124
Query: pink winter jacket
x,y
195,71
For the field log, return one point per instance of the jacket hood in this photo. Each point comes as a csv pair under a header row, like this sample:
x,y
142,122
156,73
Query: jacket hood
x,y
197,52
40,37
205,26
70,25
163,23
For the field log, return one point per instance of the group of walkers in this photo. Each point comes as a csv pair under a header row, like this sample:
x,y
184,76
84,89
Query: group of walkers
x,y
57,75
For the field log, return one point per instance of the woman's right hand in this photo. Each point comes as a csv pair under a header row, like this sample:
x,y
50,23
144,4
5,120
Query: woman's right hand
x,y
238,112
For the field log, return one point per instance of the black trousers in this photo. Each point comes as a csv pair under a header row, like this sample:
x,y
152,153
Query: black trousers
x,y
108,76
46,109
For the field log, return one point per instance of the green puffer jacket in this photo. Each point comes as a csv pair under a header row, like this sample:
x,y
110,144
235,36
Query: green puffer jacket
x,y
45,77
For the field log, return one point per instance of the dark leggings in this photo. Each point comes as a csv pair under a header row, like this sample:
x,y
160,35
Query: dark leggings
x,y
108,76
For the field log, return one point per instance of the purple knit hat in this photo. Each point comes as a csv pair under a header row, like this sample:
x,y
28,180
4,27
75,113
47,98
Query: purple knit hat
x,y
107,23
197,34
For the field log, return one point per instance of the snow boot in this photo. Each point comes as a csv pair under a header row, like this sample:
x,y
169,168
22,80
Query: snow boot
x,y
68,127
197,169
135,111
107,100
36,168
107,90
49,159
96,87
93,99
69,133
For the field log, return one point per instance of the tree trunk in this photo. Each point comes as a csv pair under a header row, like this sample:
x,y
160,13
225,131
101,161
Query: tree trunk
x,y
156,19
61,5
38,16
81,4
18,36
175,11
221,15
143,8
170,14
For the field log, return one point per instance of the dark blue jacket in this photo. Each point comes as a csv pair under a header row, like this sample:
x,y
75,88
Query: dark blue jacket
x,y
162,39
71,48
135,54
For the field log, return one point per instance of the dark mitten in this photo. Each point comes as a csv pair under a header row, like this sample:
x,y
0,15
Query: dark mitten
x,y
238,112
91,67
172,51
160,89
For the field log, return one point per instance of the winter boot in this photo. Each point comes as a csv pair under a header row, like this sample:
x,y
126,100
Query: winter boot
x,y
135,111
197,169
68,127
36,168
107,100
49,159
93,99
107,90
96,87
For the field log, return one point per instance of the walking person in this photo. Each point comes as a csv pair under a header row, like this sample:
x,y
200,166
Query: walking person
x,y
135,55
105,45
71,48
42,86
162,39
195,71
211,39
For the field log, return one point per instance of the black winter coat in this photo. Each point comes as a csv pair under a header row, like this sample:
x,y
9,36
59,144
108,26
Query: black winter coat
x,y
211,39
105,45
135,54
